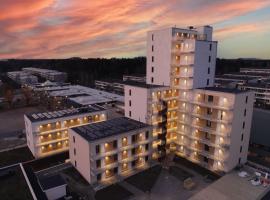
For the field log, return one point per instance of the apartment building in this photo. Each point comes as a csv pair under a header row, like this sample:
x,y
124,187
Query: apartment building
x,y
22,78
115,86
181,66
135,77
48,74
104,151
261,90
47,133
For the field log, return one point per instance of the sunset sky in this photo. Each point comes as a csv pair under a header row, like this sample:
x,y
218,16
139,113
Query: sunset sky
x,y
117,28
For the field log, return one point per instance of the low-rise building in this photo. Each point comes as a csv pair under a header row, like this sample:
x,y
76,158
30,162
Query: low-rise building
x,y
48,74
135,77
22,78
47,133
104,151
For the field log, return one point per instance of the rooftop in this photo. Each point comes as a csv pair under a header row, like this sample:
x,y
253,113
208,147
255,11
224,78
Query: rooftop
x,y
232,77
225,90
34,117
47,183
108,128
143,85
257,85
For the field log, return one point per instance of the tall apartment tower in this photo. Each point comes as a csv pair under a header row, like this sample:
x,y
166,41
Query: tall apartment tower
x,y
207,125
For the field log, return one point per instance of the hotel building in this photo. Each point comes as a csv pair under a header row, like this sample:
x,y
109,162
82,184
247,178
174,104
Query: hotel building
x,y
207,125
47,133
104,151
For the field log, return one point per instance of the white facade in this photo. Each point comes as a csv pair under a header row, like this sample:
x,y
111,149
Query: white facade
x,y
102,160
184,61
48,136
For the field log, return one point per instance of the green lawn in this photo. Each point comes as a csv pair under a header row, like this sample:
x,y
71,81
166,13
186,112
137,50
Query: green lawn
x,y
113,192
145,180
15,156
14,187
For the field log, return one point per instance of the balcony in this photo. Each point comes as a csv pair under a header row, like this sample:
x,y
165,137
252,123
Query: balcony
x,y
216,103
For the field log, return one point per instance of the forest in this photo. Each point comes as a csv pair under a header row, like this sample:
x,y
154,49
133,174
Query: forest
x,y
86,71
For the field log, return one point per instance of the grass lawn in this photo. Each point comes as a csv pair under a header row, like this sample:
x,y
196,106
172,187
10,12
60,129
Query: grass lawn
x,y
200,170
15,156
145,180
14,187
113,192
179,173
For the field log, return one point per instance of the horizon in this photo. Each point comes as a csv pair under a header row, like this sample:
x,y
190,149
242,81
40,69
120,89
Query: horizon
x,y
57,29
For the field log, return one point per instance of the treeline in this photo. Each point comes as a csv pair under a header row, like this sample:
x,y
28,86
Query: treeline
x,y
85,71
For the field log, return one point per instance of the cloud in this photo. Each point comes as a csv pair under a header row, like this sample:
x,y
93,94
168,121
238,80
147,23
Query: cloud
x,y
107,28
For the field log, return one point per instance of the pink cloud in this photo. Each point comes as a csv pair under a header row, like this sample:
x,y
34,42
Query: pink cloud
x,y
66,28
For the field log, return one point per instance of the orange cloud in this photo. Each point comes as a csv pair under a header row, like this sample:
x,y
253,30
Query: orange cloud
x,y
107,28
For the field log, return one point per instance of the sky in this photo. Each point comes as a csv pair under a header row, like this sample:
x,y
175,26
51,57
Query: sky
x,y
117,28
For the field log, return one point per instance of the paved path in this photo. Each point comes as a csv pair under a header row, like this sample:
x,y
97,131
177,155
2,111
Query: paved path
x,y
131,188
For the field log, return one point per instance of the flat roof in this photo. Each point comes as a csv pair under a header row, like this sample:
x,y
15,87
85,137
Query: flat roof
x,y
258,85
221,89
34,117
143,85
232,77
116,126
231,187
47,183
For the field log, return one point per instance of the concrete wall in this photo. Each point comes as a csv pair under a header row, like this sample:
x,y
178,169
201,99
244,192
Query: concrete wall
x,y
162,40
82,156
201,64
138,100
56,193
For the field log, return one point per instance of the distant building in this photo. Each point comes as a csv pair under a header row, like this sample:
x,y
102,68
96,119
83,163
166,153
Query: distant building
x,y
47,133
48,74
135,77
22,78
103,151
114,86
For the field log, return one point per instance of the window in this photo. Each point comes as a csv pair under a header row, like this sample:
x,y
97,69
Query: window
x,y
210,47
246,99
146,158
152,48
152,80
208,123
209,111
208,70
73,139
97,149
206,147
241,149
146,134
146,147
133,151
129,102
210,98
133,163
239,160
98,177
130,113
129,92
207,136
152,37
74,151
205,159
115,144
244,125
115,170
98,163
209,59
75,163
152,69
242,137
152,58
207,81
245,112
115,157
133,138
